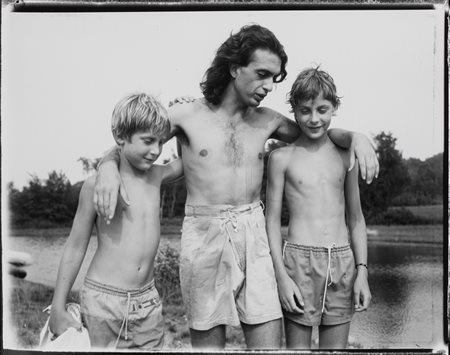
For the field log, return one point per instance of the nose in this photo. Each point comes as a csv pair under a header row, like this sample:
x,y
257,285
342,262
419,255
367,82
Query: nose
x,y
314,117
155,149
268,85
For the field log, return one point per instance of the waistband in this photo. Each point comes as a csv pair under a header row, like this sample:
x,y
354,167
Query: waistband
x,y
217,210
112,290
313,248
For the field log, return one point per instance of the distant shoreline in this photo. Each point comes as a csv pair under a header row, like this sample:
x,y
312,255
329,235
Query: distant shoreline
x,y
429,234
432,234
404,241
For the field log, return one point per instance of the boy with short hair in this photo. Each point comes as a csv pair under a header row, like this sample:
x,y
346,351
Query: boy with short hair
x,y
321,277
120,305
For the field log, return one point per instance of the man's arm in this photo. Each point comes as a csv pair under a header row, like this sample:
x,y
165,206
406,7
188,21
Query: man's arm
x,y
72,258
108,185
175,116
287,289
357,228
361,148
286,130
172,171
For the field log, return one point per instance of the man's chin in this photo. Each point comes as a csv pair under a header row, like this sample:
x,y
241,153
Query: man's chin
x,y
254,103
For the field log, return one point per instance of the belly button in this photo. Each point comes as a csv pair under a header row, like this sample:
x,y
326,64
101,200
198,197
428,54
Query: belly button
x,y
203,153
139,268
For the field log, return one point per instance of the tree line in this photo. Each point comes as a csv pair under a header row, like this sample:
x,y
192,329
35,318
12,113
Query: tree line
x,y
53,201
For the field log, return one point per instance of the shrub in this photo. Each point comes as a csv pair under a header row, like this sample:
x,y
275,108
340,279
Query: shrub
x,y
167,273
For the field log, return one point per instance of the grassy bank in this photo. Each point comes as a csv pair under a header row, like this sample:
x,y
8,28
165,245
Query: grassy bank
x,y
27,300
431,212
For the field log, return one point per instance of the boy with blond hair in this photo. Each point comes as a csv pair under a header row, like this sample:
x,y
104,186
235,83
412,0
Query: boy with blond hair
x,y
120,305
321,266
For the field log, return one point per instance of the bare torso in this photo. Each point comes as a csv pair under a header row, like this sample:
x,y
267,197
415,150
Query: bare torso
x,y
223,156
128,245
314,189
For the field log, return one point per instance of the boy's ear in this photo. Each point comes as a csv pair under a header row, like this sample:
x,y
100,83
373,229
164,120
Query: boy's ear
x,y
119,140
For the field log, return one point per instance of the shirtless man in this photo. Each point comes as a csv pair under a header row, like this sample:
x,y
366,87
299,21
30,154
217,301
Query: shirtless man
x,y
226,271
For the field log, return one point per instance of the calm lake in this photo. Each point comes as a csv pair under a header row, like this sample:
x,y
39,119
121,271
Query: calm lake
x,y
406,282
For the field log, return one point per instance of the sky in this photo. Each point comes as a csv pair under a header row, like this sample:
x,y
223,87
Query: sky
x,y
62,74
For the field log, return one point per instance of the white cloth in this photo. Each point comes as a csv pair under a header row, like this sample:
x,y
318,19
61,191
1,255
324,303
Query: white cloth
x,y
71,340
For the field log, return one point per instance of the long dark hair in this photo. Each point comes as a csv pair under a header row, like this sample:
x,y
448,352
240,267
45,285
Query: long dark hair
x,y
238,49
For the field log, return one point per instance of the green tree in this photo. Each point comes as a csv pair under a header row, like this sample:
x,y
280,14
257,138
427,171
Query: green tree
x,y
427,182
56,192
42,203
392,179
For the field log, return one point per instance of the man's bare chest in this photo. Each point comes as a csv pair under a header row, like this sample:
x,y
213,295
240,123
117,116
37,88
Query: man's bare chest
x,y
234,143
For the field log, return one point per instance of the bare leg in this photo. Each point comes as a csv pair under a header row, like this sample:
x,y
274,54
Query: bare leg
x,y
213,338
297,336
263,336
334,336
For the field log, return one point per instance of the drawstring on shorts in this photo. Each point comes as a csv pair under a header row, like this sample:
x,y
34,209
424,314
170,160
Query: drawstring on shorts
x,y
231,217
329,276
125,321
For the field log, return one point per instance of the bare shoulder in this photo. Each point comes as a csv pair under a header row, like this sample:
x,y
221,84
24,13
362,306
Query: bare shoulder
x,y
270,114
281,156
180,111
280,126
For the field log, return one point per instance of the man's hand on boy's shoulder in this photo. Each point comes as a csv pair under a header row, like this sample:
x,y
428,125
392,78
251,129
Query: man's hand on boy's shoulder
x,y
363,150
181,100
108,186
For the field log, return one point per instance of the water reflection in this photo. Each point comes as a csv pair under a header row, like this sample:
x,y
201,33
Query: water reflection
x,y
407,289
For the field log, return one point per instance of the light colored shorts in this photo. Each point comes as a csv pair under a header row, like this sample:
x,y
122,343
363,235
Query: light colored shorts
x,y
226,270
122,319
325,278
